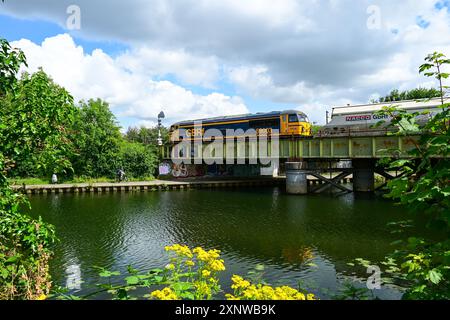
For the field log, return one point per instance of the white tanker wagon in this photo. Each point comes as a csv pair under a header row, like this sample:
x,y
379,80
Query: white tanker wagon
x,y
364,118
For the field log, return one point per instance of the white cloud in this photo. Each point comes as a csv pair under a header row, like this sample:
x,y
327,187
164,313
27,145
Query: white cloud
x,y
130,90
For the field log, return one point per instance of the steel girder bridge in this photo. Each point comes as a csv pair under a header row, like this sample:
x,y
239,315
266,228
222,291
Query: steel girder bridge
x,y
304,157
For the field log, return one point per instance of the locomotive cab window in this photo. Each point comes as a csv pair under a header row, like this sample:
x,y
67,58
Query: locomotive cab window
x,y
293,118
302,118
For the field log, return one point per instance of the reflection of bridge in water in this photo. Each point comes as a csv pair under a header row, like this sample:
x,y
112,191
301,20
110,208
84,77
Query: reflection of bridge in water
x,y
344,155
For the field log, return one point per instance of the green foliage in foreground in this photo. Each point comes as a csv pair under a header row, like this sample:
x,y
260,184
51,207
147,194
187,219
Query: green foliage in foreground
x,y
425,190
24,243
24,249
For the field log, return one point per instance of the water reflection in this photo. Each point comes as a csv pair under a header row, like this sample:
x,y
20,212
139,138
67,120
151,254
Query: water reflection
x,y
73,274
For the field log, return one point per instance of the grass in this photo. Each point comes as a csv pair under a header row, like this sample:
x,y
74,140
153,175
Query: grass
x,y
37,181
28,181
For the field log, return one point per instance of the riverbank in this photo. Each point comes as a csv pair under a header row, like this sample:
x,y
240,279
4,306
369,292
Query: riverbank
x,y
154,185
77,180
162,184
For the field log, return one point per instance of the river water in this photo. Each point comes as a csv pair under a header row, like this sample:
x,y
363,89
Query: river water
x,y
307,239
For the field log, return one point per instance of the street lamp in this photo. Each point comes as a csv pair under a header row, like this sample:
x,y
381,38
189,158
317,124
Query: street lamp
x,y
161,116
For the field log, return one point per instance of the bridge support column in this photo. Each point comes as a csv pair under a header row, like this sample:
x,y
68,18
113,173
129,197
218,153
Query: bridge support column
x,y
296,178
363,175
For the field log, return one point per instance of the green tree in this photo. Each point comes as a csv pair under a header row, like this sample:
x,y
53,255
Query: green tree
x,y
414,94
36,120
10,61
147,135
25,244
96,136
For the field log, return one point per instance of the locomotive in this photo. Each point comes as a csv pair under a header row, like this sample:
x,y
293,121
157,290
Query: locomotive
x,y
285,124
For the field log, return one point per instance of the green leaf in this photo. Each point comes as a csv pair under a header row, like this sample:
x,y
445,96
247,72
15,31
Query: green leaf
x,y
186,295
259,267
133,280
182,286
434,276
107,274
12,259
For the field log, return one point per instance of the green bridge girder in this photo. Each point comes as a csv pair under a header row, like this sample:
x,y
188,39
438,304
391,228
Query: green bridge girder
x,y
373,147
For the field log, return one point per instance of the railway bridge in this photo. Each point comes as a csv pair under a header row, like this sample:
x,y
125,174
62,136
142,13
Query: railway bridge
x,y
330,159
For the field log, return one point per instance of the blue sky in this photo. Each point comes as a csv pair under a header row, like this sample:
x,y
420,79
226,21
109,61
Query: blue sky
x,y
38,30
218,58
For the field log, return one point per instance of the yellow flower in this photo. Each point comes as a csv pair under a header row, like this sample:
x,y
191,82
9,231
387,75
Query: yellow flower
x,y
217,265
180,250
243,289
231,297
203,288
310,296
206,273
251,293
41,297
190,263
202,255
214,254
239,282
164,294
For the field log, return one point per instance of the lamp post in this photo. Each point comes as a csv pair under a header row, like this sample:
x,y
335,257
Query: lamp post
x,y
161,116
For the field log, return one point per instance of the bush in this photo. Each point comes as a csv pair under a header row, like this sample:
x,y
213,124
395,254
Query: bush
x,y
24,248
138,160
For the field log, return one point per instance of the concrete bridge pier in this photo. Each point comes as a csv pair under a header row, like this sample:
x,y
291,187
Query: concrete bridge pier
x,y
363,175
296,177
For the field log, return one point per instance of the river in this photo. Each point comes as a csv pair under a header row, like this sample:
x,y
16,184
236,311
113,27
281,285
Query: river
x,y
309,239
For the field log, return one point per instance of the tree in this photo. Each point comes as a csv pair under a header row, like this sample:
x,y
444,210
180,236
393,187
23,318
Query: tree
x,y
414,94
97,138
10,61
147,135
36,120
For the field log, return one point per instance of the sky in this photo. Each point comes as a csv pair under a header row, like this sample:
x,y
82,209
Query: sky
x,y
201,58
